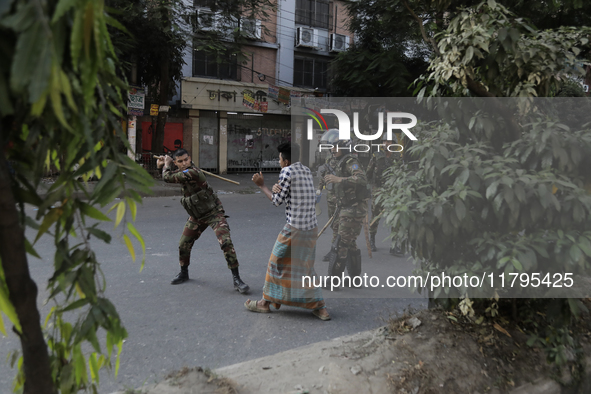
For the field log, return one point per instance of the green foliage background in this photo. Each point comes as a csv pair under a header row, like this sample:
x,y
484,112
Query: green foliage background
x,y
62,105
499,187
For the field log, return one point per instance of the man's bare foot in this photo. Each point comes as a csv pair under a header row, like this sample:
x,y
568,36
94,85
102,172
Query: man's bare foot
x,y
261,304
322,314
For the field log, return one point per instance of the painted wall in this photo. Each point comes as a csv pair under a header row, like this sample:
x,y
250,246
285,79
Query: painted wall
x,y
264,63
202,93
286,39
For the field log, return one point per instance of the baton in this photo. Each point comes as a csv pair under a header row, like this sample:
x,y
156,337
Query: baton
x,y
366,231
336,213
376,218
208,173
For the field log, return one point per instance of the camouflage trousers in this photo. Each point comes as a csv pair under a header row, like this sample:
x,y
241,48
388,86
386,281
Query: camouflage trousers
x,y
332,205
349,229
195,227
376,209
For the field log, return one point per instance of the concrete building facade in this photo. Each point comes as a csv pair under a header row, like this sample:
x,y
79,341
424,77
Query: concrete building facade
x,y
236,115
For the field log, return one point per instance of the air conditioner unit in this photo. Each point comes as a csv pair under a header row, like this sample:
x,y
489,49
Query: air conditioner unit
x,y
306,37
207,20
252,28
338,42
586,88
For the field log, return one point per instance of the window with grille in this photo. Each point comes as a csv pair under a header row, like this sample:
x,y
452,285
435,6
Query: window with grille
x,y
207,65
315,13
310,72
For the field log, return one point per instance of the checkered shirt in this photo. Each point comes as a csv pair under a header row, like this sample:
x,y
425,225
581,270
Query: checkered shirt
x,y
299,195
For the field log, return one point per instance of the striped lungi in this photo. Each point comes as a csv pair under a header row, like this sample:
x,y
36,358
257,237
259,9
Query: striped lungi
x,y
293,257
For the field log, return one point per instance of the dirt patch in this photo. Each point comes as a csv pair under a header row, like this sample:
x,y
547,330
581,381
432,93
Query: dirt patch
x,y
428,352
447,353
189,380
443,352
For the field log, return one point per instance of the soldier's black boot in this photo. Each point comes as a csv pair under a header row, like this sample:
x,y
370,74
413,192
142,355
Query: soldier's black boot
x,y
239,285
372,243
183,276
396,251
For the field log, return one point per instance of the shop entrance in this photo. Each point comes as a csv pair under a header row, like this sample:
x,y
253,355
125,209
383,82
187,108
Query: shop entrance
x,y
253,142
173,137
208,141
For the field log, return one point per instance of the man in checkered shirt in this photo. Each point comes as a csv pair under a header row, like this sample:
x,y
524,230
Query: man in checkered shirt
x,y
296,189
295,249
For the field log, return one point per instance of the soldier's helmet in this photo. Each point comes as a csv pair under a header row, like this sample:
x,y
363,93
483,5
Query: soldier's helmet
x,y
330,136
344,143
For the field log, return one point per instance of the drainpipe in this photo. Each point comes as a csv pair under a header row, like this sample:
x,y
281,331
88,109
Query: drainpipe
x,y
277,35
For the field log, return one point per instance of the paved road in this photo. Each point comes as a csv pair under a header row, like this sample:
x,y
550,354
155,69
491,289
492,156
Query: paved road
x,y
203,321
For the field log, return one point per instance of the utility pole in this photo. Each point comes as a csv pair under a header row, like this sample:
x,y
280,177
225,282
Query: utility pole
x,y
135,107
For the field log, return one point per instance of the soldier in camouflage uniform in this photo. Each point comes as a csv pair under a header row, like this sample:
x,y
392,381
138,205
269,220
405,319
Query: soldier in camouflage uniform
x,y
204,209
379,162
350,186
329,167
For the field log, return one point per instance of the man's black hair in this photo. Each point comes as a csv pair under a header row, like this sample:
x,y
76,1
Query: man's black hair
x,y
289,151
179,152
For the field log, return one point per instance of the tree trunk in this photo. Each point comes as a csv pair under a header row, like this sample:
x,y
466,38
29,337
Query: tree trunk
x,y
22,290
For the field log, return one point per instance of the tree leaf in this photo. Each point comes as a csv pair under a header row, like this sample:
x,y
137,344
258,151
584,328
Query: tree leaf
x,y
437,211
62,7
460,209
502,262
469,55
575,253
491,190
76,304
585,245
463,178
120,213
79,365
117,362
129,246
501,329
8,309
94,213
2,328
30,250
94,370
132,207
49,219
99,234
76,37
136,234
517,264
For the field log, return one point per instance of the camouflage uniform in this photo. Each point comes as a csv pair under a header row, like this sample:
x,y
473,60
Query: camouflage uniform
x,y
378,163
331,198
207,211
350,193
